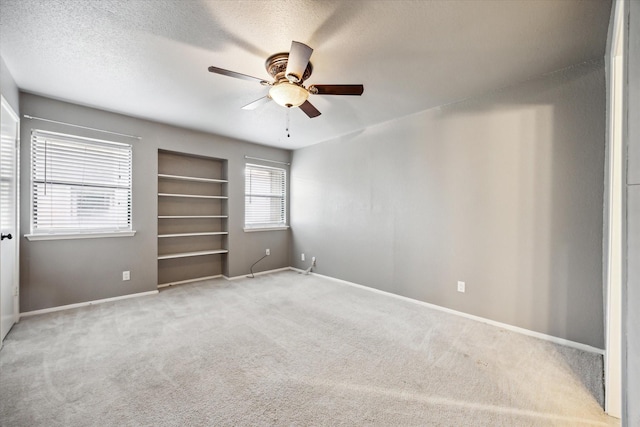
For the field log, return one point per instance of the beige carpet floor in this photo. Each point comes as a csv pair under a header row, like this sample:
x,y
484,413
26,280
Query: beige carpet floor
x,y
287,349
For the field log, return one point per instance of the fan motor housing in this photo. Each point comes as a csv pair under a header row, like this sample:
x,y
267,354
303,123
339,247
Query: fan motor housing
x,y
276,66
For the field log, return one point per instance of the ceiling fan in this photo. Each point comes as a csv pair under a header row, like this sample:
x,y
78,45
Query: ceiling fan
x,y
289,71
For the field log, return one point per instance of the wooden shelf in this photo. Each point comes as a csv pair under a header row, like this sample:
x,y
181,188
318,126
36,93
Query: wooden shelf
x,y
191,196
206,233
190,254
191,216
192,226
195,279
191,178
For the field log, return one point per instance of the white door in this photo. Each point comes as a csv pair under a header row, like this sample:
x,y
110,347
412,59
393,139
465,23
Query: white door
x,y
8,218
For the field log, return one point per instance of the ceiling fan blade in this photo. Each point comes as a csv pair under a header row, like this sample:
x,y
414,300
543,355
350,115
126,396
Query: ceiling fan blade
x,y
257,103
336,89
309,109
224,72
298,60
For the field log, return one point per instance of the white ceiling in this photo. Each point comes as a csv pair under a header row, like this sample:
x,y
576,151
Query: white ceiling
x,y
149,58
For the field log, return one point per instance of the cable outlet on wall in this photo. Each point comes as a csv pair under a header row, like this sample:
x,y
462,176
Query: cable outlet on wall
x,y
302,257
126,275
461,286
313,261
267,252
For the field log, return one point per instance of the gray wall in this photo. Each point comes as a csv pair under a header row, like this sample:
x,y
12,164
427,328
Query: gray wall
x,y
8,87
504,192
631,292
60,272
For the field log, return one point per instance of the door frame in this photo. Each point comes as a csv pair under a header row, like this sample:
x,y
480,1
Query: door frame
x,y
615,253
4,105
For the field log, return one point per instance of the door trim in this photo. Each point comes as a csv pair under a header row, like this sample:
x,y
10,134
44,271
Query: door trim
x,y
4,104
614,228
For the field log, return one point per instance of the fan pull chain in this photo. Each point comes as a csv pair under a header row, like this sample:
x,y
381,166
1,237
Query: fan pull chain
x,y
287,123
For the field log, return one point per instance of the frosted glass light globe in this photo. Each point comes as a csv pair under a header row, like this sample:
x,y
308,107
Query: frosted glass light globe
x,y
288,94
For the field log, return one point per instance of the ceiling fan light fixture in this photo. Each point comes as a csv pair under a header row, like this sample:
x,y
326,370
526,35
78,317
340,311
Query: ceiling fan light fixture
x,y
288,94
289,71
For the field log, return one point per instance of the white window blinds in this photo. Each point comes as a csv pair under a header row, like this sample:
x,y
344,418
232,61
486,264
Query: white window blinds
x,y
79,184
265,197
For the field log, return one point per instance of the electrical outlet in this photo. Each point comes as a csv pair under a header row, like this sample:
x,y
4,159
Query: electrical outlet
x,y
126,275
313,261
302,257
267,252
461,286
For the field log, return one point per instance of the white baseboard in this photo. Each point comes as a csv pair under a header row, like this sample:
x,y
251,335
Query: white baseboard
x,y
259,273
556,340
551,338
84,304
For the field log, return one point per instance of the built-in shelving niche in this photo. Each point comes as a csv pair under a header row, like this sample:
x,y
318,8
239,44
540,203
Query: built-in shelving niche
x,y
192,218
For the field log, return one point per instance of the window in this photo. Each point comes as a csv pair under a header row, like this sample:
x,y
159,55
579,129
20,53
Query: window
x,y
79,185
265,197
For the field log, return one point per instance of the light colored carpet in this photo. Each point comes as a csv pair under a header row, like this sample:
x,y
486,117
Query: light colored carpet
x,y
286,349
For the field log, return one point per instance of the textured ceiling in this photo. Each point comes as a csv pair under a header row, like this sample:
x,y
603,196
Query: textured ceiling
x,y
149,59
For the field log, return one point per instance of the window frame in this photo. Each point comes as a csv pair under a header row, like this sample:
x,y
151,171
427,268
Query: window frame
x,y
266,226
76,233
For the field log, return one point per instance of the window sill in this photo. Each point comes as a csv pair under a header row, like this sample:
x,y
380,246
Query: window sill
x,y
68,236
251,230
